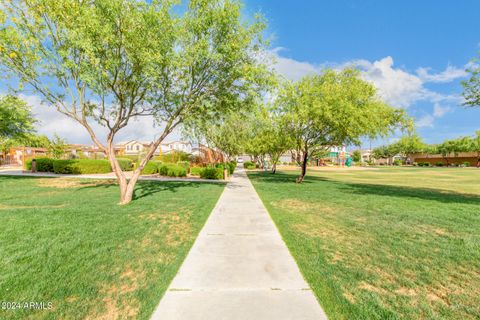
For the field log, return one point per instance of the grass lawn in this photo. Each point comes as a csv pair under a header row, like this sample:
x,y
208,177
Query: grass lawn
x,y
66,241
388,243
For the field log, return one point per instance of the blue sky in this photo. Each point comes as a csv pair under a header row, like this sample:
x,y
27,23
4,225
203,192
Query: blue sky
x,y
414,51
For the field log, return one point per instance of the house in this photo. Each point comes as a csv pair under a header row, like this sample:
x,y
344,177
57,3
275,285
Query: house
x,y
366,155
183,146
135,147
17,156
92,152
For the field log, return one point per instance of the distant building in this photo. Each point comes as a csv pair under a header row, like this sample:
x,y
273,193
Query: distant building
x,y
16,156
135,147
366,154
184,146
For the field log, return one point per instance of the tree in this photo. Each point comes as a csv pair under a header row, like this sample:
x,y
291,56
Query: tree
x,y
16,119
332,109
455,146
385,152
56,147
356,156
111,61
273,137
277,142
226,135
474,146
471,87
408,145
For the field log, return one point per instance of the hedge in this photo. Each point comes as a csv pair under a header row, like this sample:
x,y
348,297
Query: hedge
x,y
152,167
42,164
126,164
184,164
211,173
231,166
249,165
172,170
81,166
195,171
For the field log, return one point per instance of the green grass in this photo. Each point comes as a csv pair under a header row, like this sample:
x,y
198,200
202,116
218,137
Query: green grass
x,y
390,243
66,241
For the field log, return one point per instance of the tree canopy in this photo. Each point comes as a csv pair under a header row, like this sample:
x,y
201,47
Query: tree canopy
x,y
471,87
333,109
16,119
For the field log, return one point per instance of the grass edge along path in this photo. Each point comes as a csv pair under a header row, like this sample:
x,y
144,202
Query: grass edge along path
x,y
66,241
379,250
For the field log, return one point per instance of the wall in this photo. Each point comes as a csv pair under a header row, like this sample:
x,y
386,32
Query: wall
x,y
434,158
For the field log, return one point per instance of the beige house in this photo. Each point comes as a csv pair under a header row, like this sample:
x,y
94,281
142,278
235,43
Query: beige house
x,y
135,147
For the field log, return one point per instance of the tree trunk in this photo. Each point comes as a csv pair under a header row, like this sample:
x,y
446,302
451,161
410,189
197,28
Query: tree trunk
x,y
478,161
122,180
304,167
274,167
127,196
127,188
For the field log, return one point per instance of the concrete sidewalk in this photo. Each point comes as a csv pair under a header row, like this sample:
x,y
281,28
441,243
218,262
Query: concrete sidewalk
x,y
239,267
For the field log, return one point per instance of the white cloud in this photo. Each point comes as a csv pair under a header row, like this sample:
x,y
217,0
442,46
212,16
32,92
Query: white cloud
x,y
396,86
449,74
439,110
290,68
425,122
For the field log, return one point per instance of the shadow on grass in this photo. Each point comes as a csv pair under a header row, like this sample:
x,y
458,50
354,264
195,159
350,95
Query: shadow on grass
x,y
430,194
282,177
148,188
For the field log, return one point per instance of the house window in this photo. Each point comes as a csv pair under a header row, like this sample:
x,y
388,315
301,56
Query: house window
x,y
138,148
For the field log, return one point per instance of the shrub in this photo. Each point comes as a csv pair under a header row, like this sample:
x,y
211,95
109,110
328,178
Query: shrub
x,y
249,165
211,173
43,164
195,171
176,171
163,170
415,164
184,164
439,164
466,164
152,167
126,164
81,166
231,167
172,170
397,162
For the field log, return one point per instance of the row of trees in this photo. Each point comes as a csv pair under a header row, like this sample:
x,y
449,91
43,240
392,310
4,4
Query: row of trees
x,y
308,117
199,66
411,144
